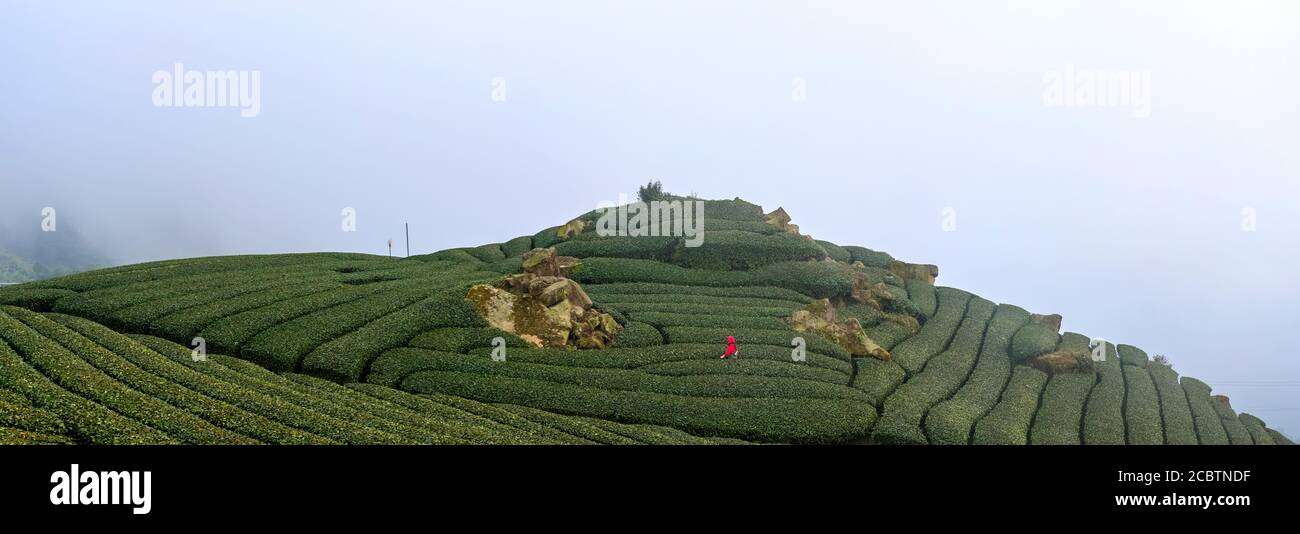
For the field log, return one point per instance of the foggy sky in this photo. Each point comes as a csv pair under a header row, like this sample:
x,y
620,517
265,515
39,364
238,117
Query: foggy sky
x,y
1129,227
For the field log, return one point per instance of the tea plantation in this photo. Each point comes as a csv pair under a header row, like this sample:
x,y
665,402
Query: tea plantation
x,y
353,348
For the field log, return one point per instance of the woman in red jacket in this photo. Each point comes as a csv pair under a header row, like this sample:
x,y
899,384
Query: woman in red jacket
x,y
731,349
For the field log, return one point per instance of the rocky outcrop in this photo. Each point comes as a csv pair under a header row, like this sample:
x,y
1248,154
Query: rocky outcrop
x,y
572,228
544,307
914,271
1061,361
820,317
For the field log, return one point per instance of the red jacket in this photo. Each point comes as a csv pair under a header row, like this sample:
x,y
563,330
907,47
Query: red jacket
x,y
731,346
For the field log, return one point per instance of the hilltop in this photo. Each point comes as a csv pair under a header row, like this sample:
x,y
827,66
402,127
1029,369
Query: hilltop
x,y
838,344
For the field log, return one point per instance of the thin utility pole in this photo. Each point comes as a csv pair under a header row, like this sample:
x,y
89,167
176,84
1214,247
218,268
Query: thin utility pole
x,y
408,240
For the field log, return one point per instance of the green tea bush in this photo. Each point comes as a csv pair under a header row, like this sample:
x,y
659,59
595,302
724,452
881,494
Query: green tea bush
x,y
923,296
24,416
877,378
869,257
582,428
705,310
139,317
814,279
711,321
455,255
780,338
776,420
32,298
187,323
217,401
1060,416
732,210
622,291
487,253
547,238
1258,433
1174,410
1008,422
905,409
228,334
934,336
1130,355
1279,438
888,334
757,227
1209,427
749,367
835,252
477,428
1032,340
1237,432
87,421
386,415
743,251
680,299
642,247
1103,421
634,380
463,338
78,376
633,358
1141,407
517,246
638,334
950,422
345,358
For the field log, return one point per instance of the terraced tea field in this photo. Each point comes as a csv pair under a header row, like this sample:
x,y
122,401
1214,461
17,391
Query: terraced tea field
x,y
353,348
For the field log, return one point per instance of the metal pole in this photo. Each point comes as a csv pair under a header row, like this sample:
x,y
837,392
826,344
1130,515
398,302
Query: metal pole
x,y
408,240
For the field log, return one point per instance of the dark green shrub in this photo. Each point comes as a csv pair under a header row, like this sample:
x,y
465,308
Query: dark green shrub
x,y
662,319
506,417
779,338
638,334
76,375
1209,427
732,210
877,378
221,402
32,298
1174,411
345,358
757,227
633,358
1257,430
1060,416
888,334
1008,422
643,247
651,191
184,324
1032,340
750,367
685,299
950,422
922,295
547,238
743,251
463,338
1237,432
815,279
487,253
24,416
1103,421
835,252
517,246
934,336
1279,438
579,427
1130,355
869,257
227,334
625,291
477,428
903,411
1141,407
454,255
778,420
87,421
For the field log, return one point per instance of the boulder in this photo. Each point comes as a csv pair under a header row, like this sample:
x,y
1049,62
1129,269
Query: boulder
x,y
543,307
820,317
914,271
572,228
1061,361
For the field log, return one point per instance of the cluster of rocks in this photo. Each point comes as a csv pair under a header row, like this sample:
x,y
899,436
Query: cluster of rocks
x,y
543,306
821,317
1060,361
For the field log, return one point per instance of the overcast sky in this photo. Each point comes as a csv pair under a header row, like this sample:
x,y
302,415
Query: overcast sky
x,y
868,121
